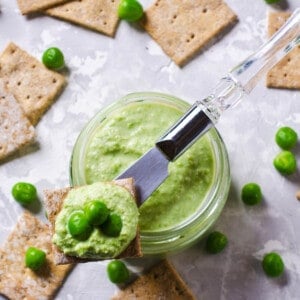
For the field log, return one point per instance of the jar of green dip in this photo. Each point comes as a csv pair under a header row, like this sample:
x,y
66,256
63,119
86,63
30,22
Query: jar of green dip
x,y
189,201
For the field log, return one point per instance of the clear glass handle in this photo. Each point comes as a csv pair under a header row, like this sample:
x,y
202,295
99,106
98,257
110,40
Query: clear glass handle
x,y
245,76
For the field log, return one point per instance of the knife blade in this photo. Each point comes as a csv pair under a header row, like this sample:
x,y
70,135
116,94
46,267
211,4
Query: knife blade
x,y
152,168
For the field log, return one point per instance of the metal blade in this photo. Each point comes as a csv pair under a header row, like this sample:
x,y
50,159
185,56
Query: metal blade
x,y
148,172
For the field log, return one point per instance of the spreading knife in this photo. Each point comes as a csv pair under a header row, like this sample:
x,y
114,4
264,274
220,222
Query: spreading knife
x,y
151,169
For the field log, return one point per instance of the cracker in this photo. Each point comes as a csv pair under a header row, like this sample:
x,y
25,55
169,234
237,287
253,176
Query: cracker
x,y
285,74
31,6
33,85
183,27
19,282
98,15
53,204
15,129
161,282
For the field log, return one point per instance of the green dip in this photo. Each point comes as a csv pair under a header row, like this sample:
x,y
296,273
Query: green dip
x,y
128,133
98,245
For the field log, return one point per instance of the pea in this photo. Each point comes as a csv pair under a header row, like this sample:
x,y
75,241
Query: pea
x,y
53,58
34,258
251,193
273,264
117,271
286,138
216,242
24,192
112,226
285,163
79,226
271,1
130,10
96,212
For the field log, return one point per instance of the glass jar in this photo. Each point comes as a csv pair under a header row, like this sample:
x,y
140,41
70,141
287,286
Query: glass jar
x,y
195,226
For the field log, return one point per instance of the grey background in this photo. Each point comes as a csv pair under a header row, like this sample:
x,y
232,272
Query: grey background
x,y
103,69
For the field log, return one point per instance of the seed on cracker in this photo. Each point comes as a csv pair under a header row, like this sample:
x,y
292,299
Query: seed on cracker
x,y
183,27
53,203
16,280
15,129
31,6
161,282
98,15
286,74
32,84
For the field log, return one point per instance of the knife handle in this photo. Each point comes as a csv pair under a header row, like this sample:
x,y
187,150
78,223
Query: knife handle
x,y
185,132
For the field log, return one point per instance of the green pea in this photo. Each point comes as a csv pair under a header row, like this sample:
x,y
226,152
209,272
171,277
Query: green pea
x,y
53,58
273,264
79,226
286,138
112,226
130,10
24,192
285,163
216,242
271,1
117,271
34,258
96,212
251,193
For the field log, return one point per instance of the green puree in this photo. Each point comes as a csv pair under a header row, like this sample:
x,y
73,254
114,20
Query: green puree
x,y
98,245
127,134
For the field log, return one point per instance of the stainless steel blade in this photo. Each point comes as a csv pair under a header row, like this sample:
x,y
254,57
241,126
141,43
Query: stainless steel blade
x,y
148,172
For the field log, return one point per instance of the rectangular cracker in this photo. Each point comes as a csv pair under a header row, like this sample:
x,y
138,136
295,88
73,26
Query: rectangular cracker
x,y
161,282
285,74
31,6
33,85
98,15
17,281
183,27
15,129
53,203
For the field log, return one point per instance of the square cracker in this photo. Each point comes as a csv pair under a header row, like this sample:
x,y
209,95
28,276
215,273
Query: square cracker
x,y
53,203
33,85
30,6
17,281
285,74
161,282
98,15
15,129
183,27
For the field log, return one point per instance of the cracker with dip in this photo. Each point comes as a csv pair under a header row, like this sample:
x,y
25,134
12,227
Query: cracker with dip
x,y
98,243
20,282
33,85
182,28
98,15
286,74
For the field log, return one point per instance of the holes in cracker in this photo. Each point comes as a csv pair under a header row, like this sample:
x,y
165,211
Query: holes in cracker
x,y
104,23
190,38
18,83
40,97
285,75
173,18
12,51
28,97
157,3
54,80
204,10
33,66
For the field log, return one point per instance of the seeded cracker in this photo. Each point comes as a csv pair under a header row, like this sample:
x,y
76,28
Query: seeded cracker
x,y
30,6
15,129
53,204
161,282
17,281
33,85
98,15
183,27
286,74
